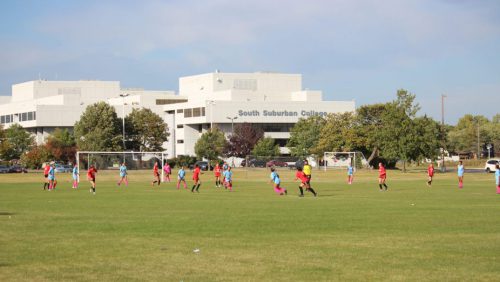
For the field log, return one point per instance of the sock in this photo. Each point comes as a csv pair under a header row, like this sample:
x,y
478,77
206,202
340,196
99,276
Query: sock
x,y
192,189
185,185
93,189
198,187
45,185
178,184
385,186
380,186
301,191
312,191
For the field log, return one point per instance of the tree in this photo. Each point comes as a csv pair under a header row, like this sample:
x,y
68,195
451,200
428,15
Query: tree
x,y
243,140
305,135
35,157
98,129
146,131
4,144
17,141
211,144
428,136
368,125
266,147
337,134
61,145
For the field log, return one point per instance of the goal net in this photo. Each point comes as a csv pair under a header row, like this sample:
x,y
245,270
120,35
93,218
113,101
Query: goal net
x,y
341,160
113,160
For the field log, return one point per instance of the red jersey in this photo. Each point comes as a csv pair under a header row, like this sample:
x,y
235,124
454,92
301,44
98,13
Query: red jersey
x,y
217,170
91,172
430,171
155,169
46,169
381,172
196,173
302,176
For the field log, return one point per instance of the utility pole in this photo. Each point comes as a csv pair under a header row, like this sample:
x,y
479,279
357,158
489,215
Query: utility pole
x,y
478,153
443,167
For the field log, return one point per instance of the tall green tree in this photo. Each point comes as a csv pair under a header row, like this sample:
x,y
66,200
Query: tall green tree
x,y
305,135
4,144
17,141
62,145
210,145
337,134
146,131
368,129
428,136
36,156
98,129
266,147
243,140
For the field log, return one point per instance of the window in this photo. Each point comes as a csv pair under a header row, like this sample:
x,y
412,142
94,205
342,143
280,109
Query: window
x,y
203,111
2,119
169,101
180,141
8,119
24,116
30,115
180,111
188,113
196,112
245,84
180,126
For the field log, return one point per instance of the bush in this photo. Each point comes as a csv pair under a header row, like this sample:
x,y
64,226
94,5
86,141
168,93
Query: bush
x,y
35,157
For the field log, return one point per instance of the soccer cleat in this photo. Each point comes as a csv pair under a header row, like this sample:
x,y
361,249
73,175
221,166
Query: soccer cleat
x,y
301,196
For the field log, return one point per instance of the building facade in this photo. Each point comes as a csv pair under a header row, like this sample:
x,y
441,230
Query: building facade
x,y
41,106
272,101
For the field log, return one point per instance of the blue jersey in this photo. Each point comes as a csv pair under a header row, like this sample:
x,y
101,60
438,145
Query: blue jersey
x,y
75,172
460,170
497,176
227,175
181,174
123,171
275,177
52,174
349,170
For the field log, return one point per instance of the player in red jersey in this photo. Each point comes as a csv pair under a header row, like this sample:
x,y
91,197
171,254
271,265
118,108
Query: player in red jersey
x,y
196,178
304,182
156,174
91,177
430,174
382,176
217,173
45,175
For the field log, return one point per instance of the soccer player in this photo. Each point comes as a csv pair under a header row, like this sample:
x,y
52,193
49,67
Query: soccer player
x,y
156,175
382,176
430,174
460,173
52,177
46,169
181,175
217,174
275,179
303,180
228,179
91,177
497,177
75,176
123,174
167,170
196,178
350,172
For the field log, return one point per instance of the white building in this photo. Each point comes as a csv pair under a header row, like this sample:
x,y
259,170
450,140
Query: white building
x,y
272,101
40,106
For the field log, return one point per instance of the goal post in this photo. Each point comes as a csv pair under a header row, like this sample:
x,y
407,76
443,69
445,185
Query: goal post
x,y
110,160
340,160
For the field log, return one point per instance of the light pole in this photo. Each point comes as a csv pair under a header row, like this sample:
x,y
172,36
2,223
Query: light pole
x,y
123,95
211,103
443,168
232,123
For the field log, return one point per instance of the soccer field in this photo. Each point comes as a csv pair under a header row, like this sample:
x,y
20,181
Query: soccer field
x,y
350,232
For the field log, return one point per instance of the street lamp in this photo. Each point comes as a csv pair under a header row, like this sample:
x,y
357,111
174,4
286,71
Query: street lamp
x,y
443,168
211,103
123,95
232,123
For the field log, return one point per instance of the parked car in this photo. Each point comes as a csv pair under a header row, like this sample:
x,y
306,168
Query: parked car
x,y
490,165
203,165
63,168
17,169
276,163
4,169
253,163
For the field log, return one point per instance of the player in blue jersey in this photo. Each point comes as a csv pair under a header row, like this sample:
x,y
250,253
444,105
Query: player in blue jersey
x,y
52,177
123,174
75,175
350,174
181,177
228,178
497,177
275,179
460,173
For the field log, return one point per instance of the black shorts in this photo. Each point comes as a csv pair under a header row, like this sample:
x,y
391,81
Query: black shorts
x,y
45,175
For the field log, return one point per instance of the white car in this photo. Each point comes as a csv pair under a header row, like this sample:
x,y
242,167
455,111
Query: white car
x,y
490,165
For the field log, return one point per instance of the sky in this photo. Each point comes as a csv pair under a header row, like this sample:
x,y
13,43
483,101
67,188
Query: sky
x,y
351,50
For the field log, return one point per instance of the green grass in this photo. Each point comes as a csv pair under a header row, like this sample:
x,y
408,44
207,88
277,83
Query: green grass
x,y
350,232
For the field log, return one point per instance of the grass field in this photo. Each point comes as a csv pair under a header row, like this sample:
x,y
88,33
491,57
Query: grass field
x,y
350,232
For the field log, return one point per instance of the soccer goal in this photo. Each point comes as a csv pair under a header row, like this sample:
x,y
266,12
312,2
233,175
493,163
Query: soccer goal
x,y
341,160
113,160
